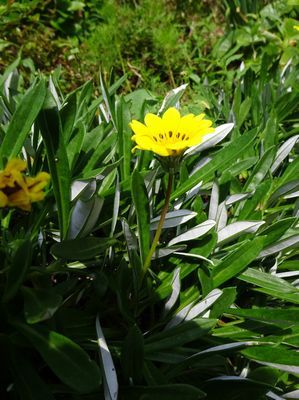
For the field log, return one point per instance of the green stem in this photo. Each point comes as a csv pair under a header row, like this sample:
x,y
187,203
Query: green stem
x,y
155,242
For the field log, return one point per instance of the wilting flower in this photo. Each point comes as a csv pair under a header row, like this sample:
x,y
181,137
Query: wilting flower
x,y
172,134
18,190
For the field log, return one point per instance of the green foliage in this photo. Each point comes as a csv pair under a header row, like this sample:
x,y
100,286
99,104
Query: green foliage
x,y
220,297
217,310
211,39
130,37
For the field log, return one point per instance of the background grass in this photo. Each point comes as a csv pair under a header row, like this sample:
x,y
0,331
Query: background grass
x,y
158,45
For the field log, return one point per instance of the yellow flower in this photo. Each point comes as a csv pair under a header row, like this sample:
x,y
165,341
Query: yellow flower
x,y
170,135
35,186
12,174
19,199
296,27
18,190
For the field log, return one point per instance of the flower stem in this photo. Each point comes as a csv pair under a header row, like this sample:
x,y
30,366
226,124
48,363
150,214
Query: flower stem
x,y
155,242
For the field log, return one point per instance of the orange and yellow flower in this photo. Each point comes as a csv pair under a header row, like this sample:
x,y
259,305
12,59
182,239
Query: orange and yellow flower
x,y
171,134
18,190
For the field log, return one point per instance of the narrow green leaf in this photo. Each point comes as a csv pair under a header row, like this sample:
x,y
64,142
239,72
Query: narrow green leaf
x,y
9,70
265,375
81,248
124,137
179,335
172,98
21,261
276,230
125,287
225,156
141,203
40,304
132,248
22,120
109,374
243,111
281,317
68,116
227,298
132,355
290,174
260,170
271,284
67,360
74,146
97,153
252,203
278,357
50,126
208,353
237,261
107,99
237,168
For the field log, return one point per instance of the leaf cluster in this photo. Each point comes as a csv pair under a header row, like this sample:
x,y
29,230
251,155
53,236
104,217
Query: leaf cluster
x,y
217,312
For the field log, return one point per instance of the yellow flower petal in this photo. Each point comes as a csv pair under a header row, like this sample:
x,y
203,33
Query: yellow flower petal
x,y
171,119
20,191
15,164
138,128
147,143
161,151
186,124
179,146
170,135
154,124
20,199
37,183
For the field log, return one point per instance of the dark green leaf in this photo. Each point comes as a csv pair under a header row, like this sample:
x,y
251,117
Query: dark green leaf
x,y
132,355
21,261
179,335
165,392
237,261
67,360
50,126
27,382
231,387
40,304
22,120
141,203
81,248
